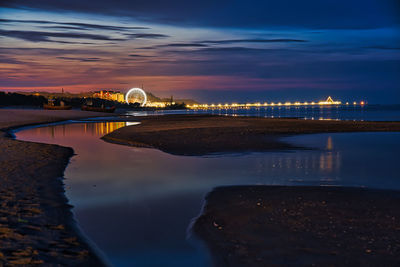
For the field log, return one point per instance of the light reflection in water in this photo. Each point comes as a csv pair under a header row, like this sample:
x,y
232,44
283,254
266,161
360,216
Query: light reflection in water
x,y
369,113
136,203
94,129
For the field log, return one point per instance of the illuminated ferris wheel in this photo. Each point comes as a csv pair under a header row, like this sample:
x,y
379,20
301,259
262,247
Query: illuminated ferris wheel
x,y
136,95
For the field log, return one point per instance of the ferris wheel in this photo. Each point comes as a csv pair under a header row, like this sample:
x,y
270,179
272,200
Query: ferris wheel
x,y
136,95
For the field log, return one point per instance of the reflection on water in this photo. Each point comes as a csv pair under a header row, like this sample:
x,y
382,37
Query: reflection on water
x,y
329,143
137,203
93,129
359,113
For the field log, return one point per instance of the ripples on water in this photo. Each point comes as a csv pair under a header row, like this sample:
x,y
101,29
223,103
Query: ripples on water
x,y
137,203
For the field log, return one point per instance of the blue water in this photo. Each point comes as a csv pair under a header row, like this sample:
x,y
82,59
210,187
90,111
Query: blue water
x,y
359,113
136,204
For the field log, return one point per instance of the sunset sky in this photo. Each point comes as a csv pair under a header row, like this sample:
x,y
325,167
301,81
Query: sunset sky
x,y
207,50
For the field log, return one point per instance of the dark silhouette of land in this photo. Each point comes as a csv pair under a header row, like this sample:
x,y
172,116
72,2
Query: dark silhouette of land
x,y
14,99
74,100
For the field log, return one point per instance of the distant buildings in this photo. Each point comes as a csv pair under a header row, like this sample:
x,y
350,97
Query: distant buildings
x,y
110,95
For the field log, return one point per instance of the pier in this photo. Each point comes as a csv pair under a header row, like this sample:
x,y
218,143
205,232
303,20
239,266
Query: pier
x,y
328,102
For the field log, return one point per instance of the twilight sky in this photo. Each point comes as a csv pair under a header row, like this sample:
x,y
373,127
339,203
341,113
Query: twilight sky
x,y
212,51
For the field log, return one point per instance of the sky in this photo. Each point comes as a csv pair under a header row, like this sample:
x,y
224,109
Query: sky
x,y
212,51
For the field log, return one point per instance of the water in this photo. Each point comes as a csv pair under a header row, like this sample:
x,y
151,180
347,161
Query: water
x,y
359,113
136,204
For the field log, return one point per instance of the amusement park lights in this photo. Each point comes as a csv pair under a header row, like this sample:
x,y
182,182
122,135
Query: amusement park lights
x,y
137,92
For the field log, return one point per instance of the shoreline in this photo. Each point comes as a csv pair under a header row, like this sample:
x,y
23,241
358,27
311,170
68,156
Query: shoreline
x,y
36,222
37,217
197,135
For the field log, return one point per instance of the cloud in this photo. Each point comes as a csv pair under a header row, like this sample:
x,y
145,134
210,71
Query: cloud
x,y
381,47
234,41
219,50
205,44
75,25
146,35
44,36
88,59
61,27
39,36
9,60
136,55
28,51
182,45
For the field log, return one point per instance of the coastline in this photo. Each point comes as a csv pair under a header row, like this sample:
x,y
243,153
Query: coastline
x,y
300,226
36,223
197,135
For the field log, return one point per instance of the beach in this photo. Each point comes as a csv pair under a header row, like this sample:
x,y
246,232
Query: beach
x,y
36,223
301,226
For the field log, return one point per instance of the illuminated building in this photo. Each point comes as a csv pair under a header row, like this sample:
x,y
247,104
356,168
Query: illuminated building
x,y
132,96
110,95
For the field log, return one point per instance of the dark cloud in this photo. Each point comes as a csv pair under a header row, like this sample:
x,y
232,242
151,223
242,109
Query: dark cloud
x,y
146,35
204,44
219,50
61,27
38,36
381,47
182,45
345,14
103,27
75,25
9,60
50,51
147,48
88,59
136,55
43,36
282,40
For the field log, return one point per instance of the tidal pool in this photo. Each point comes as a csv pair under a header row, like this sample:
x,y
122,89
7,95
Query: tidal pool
x,y
136,204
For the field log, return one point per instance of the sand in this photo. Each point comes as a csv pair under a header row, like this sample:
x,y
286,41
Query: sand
x,y
301,226
36,224
206,134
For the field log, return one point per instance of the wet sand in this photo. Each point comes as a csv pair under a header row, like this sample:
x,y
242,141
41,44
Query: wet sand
x,y
301,226
207,134
36,224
